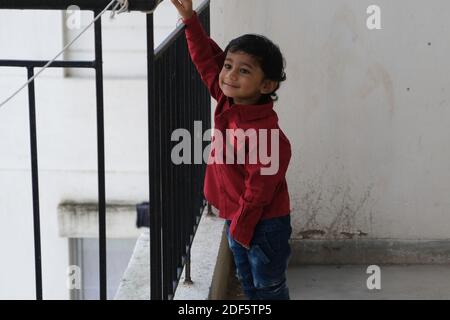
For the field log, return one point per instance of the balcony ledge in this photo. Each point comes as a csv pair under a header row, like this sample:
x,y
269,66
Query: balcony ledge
x,y
80,220
210,266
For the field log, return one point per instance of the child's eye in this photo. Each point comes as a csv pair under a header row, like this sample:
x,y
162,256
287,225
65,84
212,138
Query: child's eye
x,y
227,66
245,71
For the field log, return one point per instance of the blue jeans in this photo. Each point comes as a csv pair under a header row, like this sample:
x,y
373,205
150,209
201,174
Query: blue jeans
x,y
262,269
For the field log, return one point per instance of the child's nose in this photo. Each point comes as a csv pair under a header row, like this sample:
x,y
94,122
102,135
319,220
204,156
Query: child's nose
x,y
233,74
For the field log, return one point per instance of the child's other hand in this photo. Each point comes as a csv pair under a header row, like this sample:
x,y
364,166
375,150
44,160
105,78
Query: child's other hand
x,y
184,8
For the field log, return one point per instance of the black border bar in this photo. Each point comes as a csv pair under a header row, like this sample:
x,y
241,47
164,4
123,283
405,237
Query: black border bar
x,y
134,5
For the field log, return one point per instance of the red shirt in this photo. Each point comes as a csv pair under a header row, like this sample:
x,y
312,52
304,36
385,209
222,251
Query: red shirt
x,y
239,191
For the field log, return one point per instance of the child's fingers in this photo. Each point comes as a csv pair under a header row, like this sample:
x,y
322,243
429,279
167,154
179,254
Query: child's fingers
x,y
185,4
177,4
184,7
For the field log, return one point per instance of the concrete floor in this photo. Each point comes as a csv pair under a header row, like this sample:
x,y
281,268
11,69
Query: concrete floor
x,y
349,282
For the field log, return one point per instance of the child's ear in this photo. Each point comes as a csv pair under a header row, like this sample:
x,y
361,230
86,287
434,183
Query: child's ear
x,y
268,86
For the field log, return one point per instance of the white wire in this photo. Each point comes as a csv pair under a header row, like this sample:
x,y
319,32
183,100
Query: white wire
x,y
125,7
121,6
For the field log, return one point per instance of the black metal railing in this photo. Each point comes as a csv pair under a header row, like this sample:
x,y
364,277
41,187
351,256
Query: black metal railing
x,y
182,100
176,98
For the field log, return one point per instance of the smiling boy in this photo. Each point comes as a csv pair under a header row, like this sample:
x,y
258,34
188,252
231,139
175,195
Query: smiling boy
x,y
243,79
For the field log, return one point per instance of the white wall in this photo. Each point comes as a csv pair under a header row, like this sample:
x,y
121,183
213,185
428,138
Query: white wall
x,y
124,41
368,154
66,130
22,34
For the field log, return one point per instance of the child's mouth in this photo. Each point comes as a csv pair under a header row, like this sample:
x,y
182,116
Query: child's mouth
x,y
231,86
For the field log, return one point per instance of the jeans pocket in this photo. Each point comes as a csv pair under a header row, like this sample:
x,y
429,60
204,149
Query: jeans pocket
x,y
273,240
278,241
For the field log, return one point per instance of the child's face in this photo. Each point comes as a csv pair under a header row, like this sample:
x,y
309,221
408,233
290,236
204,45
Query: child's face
x,y
243,80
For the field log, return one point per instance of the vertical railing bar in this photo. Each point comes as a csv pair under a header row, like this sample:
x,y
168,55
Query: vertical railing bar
x,y
199,167
188,177
189,104
168,189
101,157
154,141
187,169
165,175
176,188
160,106
188,278
167,178
178,216
193,176
184,105
35,185
162,167
173,115
194,170
189,172
207,109
180,102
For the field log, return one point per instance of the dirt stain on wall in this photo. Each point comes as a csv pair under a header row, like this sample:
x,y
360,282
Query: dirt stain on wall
x,y
340,215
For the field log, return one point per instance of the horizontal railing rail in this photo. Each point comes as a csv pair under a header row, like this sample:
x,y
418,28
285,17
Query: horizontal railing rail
x,y
134,5
40,64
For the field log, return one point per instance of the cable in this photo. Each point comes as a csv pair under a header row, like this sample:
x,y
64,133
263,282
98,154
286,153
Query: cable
x,y
121,6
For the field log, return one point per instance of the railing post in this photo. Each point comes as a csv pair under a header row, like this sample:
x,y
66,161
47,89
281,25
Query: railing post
x,y
35,185
154,147
209,212
187,278
101,157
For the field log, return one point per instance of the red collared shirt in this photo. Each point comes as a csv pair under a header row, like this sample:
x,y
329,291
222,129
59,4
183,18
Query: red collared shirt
x,y
239,191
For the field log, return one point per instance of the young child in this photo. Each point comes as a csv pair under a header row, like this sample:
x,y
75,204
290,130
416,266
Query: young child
x,y
243,80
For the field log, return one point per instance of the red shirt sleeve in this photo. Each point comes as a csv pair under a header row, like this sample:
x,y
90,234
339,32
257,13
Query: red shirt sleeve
x,y
261,182
206,55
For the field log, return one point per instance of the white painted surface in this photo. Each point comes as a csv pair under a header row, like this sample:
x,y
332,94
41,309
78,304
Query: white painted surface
x,y
368,154
80,220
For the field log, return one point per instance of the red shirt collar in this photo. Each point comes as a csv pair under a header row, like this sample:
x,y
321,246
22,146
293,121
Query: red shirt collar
x,y
251,112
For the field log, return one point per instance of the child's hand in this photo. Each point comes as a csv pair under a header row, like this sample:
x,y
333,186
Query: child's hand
x,y
184,8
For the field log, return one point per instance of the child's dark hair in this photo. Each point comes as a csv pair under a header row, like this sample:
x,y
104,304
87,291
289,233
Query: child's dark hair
x,y
268,55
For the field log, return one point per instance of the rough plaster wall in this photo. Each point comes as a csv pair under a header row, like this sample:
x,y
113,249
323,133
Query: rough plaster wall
x,y
366,111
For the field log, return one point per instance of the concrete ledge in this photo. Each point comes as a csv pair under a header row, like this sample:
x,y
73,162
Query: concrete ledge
x,y
135,284
210,266
370,251
210,263
80,220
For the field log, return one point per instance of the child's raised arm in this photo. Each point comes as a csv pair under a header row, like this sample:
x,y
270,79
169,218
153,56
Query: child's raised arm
x,y
207,56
